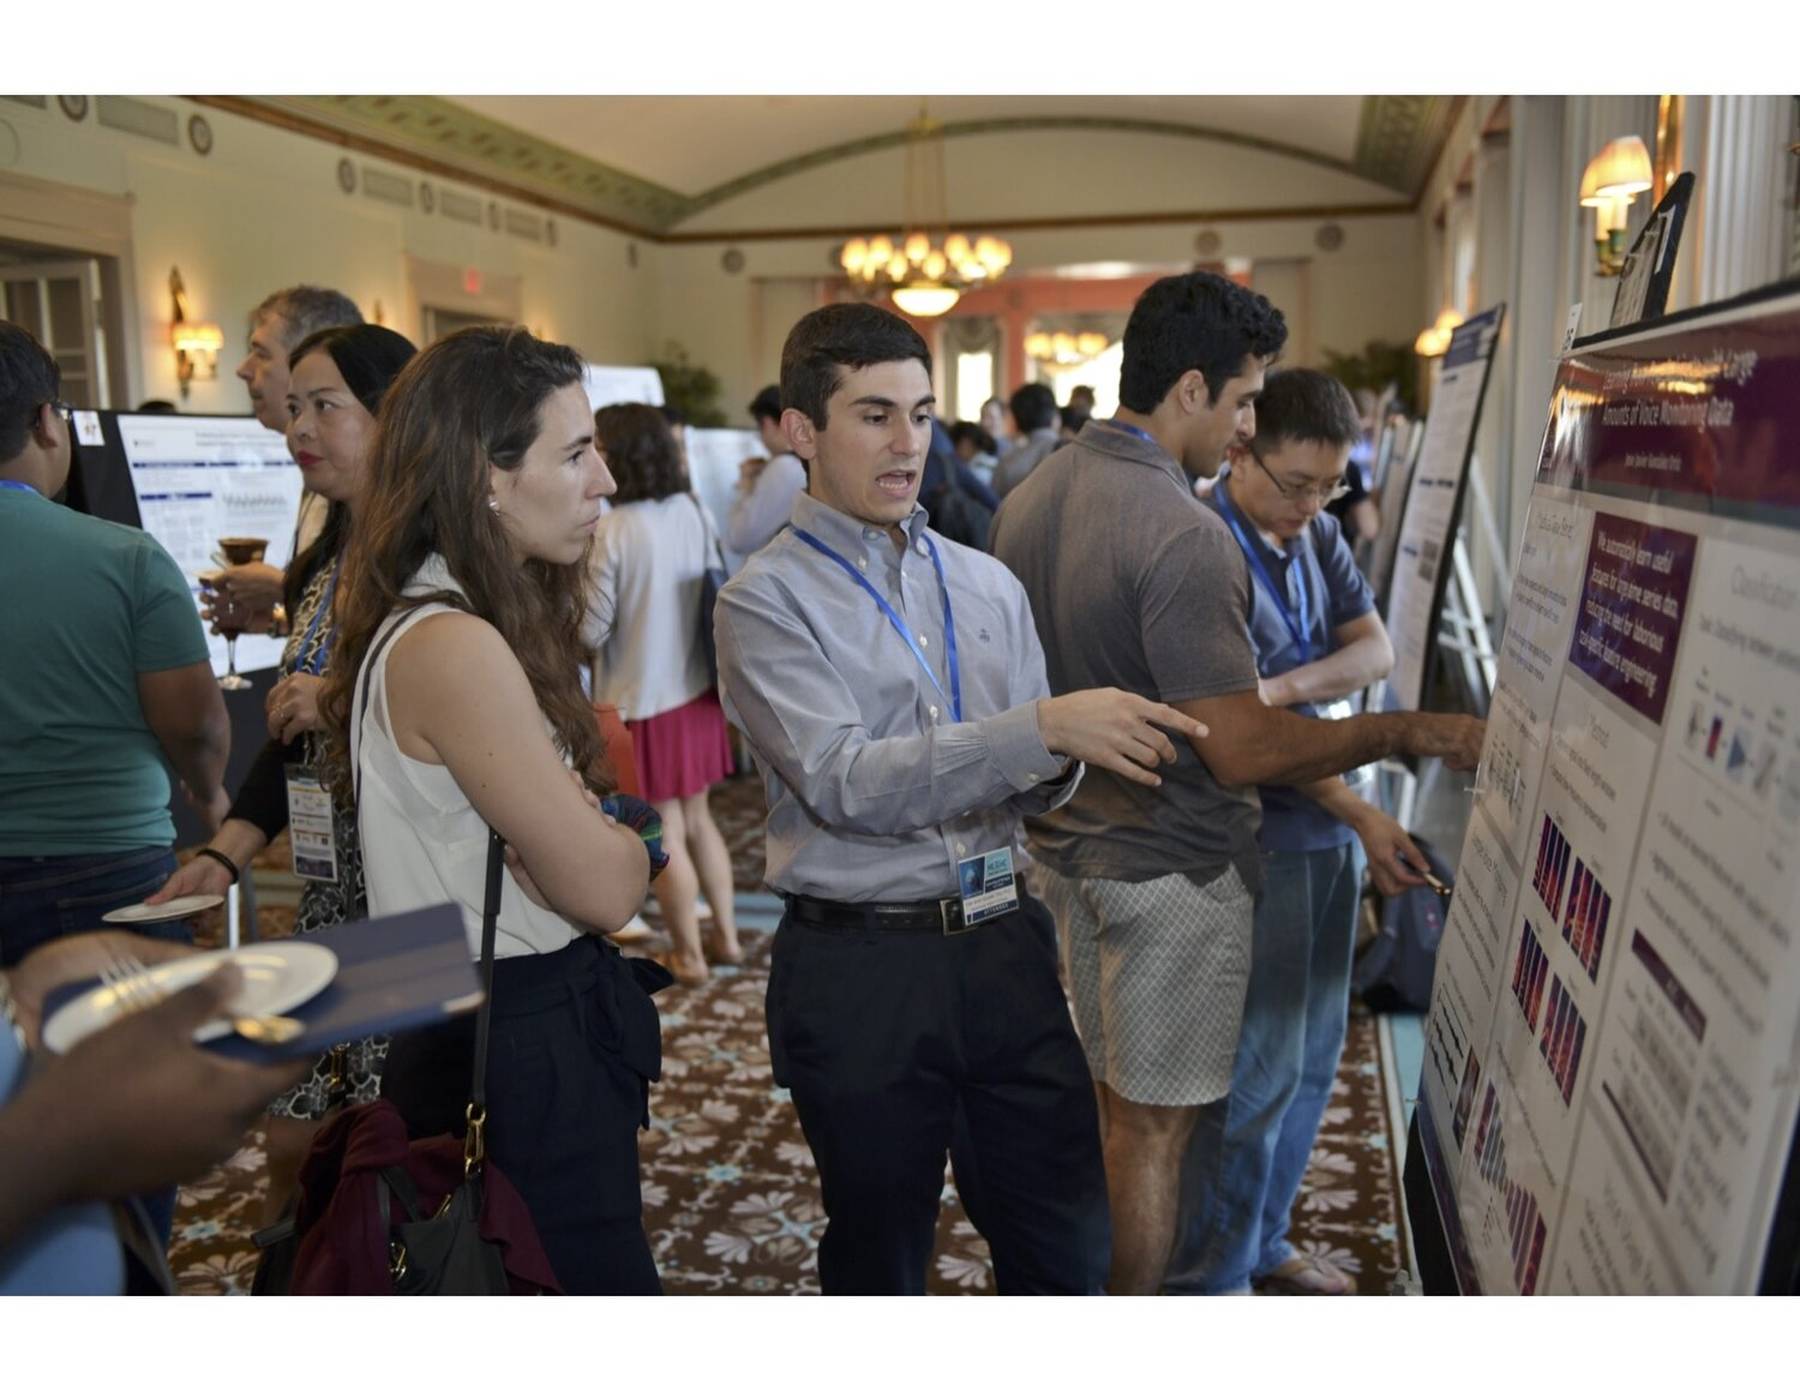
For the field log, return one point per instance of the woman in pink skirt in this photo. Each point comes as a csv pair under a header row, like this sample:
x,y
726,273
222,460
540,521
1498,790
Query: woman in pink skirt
x,y
651,552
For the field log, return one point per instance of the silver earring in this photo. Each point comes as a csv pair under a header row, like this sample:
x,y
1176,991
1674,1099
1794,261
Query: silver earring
x,y
493,502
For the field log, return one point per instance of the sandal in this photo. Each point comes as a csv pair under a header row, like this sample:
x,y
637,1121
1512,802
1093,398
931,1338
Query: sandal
x,y
1302,1273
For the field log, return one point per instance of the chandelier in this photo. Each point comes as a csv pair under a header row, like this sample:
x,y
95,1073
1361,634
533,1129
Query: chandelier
x,y
1065,349
926,268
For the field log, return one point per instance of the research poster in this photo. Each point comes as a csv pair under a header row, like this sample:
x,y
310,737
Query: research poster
x,y
1613,1063
1433,500
201,478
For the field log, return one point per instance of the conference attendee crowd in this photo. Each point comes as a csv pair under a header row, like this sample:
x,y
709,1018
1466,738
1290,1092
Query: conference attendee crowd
x,y
1060,761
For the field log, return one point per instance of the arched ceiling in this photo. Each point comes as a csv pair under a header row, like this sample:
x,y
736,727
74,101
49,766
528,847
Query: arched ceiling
x,y
647,164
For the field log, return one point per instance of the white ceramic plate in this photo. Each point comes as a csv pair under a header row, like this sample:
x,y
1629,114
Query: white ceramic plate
x,y
277,977
183,907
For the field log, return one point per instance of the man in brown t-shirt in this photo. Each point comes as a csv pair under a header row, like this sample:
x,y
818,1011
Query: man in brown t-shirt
x,y
1134,583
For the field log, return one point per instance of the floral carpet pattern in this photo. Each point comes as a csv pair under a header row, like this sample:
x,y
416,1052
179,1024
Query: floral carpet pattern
x,y
731,1202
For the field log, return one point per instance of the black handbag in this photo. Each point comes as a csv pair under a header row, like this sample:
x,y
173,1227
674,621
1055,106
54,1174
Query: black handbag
x,y
446,1253
712,580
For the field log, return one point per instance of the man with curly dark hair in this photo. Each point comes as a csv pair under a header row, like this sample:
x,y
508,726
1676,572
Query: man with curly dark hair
x,y
1134,583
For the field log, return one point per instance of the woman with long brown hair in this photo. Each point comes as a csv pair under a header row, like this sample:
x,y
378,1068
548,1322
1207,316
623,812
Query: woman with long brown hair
x,y
456,702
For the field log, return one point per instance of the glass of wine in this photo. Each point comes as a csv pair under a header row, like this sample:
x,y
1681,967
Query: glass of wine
x,y
234,550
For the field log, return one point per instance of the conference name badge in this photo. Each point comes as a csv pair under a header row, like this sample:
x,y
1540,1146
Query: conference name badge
x,y
989,887
309,828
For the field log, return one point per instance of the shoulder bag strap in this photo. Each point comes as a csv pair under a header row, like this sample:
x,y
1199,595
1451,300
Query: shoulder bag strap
x,y
490,923
706,526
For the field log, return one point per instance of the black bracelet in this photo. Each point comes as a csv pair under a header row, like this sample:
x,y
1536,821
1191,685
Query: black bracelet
x,y
222,858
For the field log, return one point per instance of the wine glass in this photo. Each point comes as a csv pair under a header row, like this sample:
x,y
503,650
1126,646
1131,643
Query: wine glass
x,y
236,550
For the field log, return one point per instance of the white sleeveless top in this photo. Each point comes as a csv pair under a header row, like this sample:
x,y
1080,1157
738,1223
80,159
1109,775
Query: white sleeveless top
x,y
422,841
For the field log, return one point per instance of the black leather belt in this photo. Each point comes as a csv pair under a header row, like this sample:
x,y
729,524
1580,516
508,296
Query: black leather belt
x,y
940,915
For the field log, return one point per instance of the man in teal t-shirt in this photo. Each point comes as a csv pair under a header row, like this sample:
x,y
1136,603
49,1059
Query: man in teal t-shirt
x,y
104,670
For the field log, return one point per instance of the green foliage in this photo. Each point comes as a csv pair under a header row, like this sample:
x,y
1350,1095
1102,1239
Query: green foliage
x,y
689,388
1378,366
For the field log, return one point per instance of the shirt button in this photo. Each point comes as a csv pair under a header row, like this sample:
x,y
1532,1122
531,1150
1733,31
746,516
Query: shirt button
x,y
1031,777
933,712
863,561
924,641
961,849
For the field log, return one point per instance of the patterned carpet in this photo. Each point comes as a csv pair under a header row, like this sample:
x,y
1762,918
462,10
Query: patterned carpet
x,y
730,1199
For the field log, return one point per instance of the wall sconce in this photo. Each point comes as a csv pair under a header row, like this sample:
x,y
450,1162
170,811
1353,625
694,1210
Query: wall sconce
x,y
196,342
1435,340
1613,178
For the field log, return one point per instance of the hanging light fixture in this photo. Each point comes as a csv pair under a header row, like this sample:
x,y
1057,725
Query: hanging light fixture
x,y
1434,341
927,267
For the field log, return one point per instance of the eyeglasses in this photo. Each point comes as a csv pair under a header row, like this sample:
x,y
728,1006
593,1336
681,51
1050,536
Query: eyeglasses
x,y
1325,493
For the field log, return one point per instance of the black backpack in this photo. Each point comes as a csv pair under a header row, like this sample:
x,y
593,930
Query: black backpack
x,y
956,514
1394,967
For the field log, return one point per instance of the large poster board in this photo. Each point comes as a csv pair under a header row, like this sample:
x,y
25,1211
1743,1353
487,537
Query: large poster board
x,y
714,457
198,478
1612,1071
1433,503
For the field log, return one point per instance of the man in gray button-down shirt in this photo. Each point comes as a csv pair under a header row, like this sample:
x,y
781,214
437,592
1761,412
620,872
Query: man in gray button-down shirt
x,y
891,1018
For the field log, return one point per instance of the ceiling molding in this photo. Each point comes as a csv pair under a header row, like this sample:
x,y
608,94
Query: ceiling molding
x,y
439,137
1399,139
1005,125
1311,212
461,143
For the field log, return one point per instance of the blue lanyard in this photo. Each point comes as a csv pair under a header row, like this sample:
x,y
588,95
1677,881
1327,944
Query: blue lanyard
x,y
1300,629
1144,435
19,487
954,695
316,664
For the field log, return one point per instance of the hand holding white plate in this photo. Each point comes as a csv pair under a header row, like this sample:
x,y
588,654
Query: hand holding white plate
x,y
277,977
184,907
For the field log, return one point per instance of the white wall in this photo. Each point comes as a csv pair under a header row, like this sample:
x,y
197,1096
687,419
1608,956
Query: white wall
x,y
734,324
264,210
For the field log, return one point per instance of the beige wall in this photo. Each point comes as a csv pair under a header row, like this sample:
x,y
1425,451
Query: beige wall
x,y
264,210
1367,289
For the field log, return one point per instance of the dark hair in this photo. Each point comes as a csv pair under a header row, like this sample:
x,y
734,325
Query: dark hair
x,y
470,400
1033,406
672,415
968,430
157,406
1083,390
841,336
641,452
308,308
1198,321
766,405
1301,404
1074,417
368,357
29,379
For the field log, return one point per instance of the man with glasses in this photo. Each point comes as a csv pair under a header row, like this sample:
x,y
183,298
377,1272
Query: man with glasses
x,y
1318,642
1135,583
106,672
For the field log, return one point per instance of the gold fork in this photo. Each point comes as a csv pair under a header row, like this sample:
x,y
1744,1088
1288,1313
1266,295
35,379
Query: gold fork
x,y
135,989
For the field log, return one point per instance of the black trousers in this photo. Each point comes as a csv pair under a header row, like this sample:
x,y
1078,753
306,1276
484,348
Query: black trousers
x,y
573,1047
890,1042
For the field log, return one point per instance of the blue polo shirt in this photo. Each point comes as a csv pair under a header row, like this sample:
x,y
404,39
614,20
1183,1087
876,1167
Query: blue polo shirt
x,y
1336,592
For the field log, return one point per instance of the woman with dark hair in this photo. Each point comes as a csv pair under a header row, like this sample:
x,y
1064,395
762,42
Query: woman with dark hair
x,y
651,553
339,376
454,704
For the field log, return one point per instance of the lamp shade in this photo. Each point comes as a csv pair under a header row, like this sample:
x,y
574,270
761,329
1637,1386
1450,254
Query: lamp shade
x,y
1620,170
925,301
191,336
